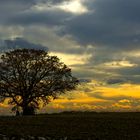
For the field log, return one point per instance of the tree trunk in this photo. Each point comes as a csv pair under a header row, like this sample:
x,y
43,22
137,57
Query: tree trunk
x,y
28,110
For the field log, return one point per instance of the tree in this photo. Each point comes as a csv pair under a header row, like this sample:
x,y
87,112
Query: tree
x,y
29,78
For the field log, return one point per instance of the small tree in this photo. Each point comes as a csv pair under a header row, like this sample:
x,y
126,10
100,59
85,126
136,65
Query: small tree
x,y
29,78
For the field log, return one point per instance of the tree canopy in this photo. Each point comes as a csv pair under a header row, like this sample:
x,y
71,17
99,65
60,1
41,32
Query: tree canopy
x,y
30,77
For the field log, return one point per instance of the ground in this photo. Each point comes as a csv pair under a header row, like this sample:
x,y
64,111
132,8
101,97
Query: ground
x,y
96,126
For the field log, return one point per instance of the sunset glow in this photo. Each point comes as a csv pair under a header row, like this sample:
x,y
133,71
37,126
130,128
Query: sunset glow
x,y
98,39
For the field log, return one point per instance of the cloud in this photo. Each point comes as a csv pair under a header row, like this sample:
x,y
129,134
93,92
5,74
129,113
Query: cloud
x,y
19,43
48,17
94,96
9,8
122,99
84,80
16,4
112,23
51,13
73,59
74,6
115,81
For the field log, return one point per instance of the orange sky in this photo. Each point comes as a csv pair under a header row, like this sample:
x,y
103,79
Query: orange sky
x,y
123,97
94,97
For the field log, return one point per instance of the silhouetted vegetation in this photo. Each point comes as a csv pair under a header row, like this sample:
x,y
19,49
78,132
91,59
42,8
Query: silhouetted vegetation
x,y
30,78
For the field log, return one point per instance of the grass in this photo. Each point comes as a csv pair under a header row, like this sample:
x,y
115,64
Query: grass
x,y
98,126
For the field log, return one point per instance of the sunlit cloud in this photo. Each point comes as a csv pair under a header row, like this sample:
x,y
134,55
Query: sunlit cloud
x,y
133,53
120,106
74,6
127,90
124,97
96,97
73,59
119,64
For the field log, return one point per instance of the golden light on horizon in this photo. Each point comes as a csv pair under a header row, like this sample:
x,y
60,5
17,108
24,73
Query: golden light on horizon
x,y
130,90
124,97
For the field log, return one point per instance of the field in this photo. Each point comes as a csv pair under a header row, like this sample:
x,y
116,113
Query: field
x,y
78,126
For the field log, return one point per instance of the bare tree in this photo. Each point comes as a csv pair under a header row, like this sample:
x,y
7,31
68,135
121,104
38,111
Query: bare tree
x,y
31,77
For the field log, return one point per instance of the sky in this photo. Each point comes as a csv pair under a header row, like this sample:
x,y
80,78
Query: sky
x,y
98,39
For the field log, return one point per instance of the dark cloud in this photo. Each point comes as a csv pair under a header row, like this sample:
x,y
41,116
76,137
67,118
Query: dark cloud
x,y
115,81
22,12
9,8
19,43
110,23
13,6
84,80
13,3
113,23
54,1
110,27
132,74
49,17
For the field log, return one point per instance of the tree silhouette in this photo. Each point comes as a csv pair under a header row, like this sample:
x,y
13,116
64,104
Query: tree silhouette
x,y
29,78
